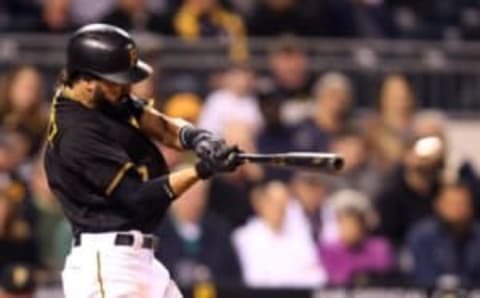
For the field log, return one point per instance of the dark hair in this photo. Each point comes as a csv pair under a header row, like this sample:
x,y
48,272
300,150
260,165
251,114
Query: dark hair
x,y
69,78
288,44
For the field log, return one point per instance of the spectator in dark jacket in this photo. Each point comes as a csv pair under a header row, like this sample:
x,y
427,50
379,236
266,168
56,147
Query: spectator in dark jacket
x,y
446,247
275,136
290,77
408,197
17,243
195,246
333,98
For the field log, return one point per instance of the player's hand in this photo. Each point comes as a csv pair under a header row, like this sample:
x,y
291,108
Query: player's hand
x,y
221,161
204,143
209,145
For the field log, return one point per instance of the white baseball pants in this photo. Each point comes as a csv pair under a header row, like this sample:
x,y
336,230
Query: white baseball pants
x,y
99,269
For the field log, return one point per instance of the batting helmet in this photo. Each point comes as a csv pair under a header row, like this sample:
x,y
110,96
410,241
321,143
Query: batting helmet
x,y
107,52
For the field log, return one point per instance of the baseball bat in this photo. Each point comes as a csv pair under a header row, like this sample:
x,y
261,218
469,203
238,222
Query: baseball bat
x,y
328,162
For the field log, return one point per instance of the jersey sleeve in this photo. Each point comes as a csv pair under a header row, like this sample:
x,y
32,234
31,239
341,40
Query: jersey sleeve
x,y
94,157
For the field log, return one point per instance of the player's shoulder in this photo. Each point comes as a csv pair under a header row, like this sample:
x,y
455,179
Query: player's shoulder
x,y
86,130
70,113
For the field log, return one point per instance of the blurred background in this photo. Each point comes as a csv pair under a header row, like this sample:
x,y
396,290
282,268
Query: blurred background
x,y
392,85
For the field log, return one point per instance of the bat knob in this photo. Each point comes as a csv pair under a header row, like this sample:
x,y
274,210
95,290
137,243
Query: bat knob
x,y
337,163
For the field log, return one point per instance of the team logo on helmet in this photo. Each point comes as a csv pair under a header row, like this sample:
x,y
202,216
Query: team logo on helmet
x,y
132,52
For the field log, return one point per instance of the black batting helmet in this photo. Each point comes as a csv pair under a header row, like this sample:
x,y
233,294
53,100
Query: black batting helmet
x,y
107,52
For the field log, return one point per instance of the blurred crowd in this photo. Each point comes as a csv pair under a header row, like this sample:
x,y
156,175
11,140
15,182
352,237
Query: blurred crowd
x,y
399,213
190,19
232,21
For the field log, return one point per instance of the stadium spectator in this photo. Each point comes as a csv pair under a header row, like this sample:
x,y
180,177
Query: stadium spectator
x,y
22,104
195,19
333,100
289,78
435,123
49,230
195,245
307,210
55,17
229,193
446,246
133,15
26,14
298,17
271,254
275,136
356,256
408,196
15,171
14,161
17,242
235,103
90,11
359,18
430,123
358,171
389,133
17,281
184,105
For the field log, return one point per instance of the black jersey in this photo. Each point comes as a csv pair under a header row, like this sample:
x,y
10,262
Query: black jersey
x,y
88,154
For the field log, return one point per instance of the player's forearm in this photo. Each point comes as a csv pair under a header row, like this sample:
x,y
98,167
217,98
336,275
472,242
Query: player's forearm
x,y
162,128
139,197
182,180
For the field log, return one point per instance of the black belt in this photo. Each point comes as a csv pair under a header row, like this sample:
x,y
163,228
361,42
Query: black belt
x,y
125,239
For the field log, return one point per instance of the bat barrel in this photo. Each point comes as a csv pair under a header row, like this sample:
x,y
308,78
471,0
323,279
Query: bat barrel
x,y
328,162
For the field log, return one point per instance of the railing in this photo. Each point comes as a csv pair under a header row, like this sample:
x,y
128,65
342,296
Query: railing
x,y
446,74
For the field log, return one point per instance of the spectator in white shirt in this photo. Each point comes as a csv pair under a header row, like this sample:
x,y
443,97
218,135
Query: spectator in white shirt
x,y
273,253
309,209
234,103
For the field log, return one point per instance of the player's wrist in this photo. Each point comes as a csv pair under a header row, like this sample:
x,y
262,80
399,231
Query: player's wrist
x,y
204,170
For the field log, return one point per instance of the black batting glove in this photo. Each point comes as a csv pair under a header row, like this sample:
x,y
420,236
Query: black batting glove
x,y
201,141
223,160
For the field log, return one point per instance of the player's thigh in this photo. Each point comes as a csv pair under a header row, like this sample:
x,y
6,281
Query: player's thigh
x,y
172,291
161,284
74,278
92,273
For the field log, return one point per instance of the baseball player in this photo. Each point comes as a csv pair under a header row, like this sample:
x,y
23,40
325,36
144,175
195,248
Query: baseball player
x,y
110,178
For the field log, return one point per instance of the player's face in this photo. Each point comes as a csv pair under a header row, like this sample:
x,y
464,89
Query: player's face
x,y
110,92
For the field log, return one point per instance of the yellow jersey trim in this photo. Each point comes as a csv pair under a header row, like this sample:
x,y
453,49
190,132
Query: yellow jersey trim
x,y
118,177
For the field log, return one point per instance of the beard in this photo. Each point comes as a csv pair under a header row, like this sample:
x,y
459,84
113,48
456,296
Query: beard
x,y
113,108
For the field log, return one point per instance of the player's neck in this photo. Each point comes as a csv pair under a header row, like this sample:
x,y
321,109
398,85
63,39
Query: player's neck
x,y
80,94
